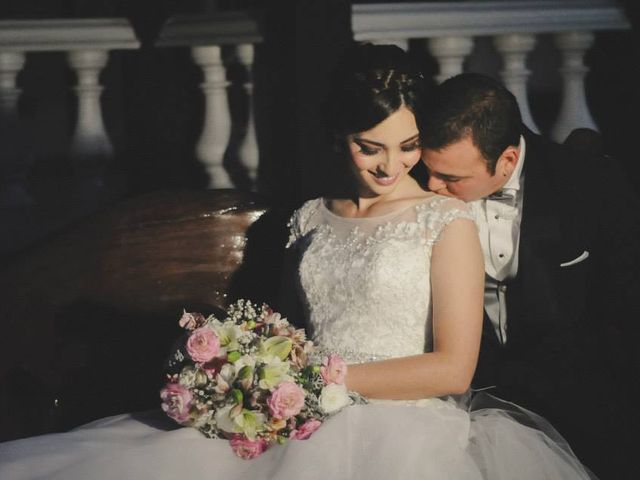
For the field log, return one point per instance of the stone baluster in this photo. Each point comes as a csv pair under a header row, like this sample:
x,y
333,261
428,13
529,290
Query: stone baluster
x,y
13,161
450,52
11,63
514,49
574,112
249,148
90,146
214,139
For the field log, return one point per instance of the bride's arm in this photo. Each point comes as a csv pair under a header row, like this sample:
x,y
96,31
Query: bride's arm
x,y
457,283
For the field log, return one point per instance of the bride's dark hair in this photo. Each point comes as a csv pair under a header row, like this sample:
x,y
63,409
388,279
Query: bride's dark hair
x,y
370,83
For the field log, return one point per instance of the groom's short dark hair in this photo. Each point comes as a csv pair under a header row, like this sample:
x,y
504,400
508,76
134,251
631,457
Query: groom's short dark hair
x,y
476,106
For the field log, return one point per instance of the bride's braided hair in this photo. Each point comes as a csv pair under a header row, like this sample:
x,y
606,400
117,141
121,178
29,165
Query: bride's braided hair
x,y
370,83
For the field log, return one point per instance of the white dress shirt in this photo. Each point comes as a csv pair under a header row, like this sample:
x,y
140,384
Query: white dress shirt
x,y
499,228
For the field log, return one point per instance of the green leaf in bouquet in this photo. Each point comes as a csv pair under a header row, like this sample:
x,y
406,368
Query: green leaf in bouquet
x,y
238,396
245,377
234,356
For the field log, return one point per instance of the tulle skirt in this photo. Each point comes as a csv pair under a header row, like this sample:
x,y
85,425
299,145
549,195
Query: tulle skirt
x,y
483,438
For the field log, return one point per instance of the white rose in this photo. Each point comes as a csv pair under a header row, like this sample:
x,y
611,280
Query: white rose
x,y
334,397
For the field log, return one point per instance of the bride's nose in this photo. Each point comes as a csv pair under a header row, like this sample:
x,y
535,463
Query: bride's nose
x,y
390,164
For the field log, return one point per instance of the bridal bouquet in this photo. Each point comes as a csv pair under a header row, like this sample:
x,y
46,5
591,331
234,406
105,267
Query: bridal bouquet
x,y
251,377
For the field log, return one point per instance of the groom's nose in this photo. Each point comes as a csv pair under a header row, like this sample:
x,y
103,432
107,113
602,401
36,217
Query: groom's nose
x,y
436,185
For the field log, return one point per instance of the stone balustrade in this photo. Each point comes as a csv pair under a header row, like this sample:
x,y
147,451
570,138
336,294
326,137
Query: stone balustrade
x,y
87,44
206,36
450,29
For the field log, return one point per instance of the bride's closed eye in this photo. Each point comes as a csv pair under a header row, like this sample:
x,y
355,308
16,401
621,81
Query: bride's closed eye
x,y
365,150
411,147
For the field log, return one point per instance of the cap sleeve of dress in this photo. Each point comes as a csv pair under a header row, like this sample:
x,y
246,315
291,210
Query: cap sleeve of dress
x,y
440,212
303,220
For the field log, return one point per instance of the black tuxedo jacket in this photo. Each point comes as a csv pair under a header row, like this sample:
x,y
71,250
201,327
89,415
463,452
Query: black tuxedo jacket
x,y
572,329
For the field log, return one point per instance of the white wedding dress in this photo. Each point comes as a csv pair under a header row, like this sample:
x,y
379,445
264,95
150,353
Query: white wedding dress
x,y
366,285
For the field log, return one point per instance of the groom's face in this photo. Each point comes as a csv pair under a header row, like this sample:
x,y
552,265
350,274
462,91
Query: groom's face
x,y
459,170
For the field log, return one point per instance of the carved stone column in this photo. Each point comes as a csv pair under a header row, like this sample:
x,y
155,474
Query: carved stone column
x,y
249,148
14,164
574,112
450,52
90,146
514,49
11,63
214,139
206,35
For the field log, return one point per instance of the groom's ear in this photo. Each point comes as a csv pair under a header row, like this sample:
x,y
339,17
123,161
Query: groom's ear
x,y
508,160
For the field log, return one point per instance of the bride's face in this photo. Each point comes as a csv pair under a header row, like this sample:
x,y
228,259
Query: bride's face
x,y
382,156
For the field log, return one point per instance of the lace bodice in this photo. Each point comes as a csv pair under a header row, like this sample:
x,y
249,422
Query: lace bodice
x,y
366,281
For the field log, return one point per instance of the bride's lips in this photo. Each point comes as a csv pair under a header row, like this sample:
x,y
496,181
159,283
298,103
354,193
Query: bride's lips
x,y
384,181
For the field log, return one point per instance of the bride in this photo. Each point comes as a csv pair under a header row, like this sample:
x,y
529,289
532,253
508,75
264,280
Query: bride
x,y
390,278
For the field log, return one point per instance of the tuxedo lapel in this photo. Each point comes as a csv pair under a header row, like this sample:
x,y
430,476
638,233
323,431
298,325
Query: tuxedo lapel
x,y
540,225
532,294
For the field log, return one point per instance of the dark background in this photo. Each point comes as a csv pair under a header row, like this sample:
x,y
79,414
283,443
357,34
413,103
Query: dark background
x,y
153,106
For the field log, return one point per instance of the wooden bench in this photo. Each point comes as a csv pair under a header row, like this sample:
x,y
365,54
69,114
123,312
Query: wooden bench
x,y
88,318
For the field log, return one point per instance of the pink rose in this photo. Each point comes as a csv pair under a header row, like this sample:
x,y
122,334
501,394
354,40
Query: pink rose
x,y
203,345
176,401
306,429
333,369
286,401
247,449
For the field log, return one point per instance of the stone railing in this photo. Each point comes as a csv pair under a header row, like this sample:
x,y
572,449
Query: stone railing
x,y
451,27
87,44
206,36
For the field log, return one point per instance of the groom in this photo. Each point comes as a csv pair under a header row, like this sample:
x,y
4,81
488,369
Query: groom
x,y
559,229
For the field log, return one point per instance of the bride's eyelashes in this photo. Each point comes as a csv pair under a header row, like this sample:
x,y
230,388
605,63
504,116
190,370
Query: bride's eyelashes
x,y
365,150
411,147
